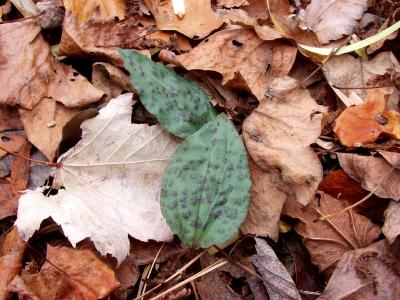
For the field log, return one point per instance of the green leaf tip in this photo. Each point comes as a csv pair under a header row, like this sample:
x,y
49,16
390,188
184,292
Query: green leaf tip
x,y
206,186
181,106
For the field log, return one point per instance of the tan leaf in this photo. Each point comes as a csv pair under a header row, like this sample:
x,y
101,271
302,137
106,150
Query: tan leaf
x,y
392,158
11,258
33,74
249,62
361,124
277,279
44,125
243,18
199,19
112,181
391,227
370,171
76,274
346,71
328,240
85,9
279,132
368,273
331,19
267,198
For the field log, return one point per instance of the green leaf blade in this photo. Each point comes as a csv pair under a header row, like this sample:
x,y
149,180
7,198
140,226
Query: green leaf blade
x,y
206,187
181,106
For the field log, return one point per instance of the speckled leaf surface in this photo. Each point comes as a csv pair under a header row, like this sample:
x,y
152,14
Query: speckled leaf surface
x,y
206,186
181,106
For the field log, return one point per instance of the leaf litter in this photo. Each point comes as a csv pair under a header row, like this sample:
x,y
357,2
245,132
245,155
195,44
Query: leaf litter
x,y
215,129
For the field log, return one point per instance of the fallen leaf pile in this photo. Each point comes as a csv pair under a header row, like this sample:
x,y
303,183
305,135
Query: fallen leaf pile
x,y
198,149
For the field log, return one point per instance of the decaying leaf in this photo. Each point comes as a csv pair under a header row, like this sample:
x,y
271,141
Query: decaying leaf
x,y
267,198
249,62
344,188
11,142
206,187
368,273
329,239
391,228
85,9
34,74
44,124
218,284
331,19
112,181
346,71
70,273
277,280
199,19
181,106
364,123
278,133
11,258
370,172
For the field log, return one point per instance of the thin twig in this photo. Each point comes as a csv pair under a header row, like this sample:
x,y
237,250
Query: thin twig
x,y
151,267
46,163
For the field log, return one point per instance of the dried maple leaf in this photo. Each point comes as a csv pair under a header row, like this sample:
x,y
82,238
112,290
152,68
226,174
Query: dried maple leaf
x,y
267,198
368,273
328,240
44,125
370,171
199,20
34,74
11,258
85,9
112,181
67,274
278,133
361,124
331,19
249,62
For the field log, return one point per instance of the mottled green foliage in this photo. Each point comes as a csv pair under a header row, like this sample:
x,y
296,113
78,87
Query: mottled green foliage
x,y
206,187
181,106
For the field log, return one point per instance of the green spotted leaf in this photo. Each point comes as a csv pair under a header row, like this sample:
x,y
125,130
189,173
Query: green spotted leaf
x,y
181,106
206,186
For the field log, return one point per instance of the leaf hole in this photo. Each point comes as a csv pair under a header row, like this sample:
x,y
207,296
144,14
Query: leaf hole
x,y
5,139
237,43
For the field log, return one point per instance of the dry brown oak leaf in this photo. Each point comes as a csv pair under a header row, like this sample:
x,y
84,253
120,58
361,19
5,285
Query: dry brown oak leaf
x,y
198,22
328,240
366,274
33,74
361,124
243,59
267,198
331,19
11,258
279,132
67,274
374,174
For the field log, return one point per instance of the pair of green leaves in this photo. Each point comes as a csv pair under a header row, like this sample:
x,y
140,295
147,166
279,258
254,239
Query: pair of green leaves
x,y
206,187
